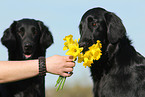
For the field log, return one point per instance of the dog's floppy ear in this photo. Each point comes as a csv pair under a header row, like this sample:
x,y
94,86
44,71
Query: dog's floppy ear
x,y
46,38
115,28
8,39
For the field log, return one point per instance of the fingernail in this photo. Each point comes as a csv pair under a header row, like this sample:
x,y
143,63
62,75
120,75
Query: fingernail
x,y
70,57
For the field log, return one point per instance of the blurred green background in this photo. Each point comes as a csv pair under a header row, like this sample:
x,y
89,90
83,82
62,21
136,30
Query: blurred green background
x,y
75,91
63,17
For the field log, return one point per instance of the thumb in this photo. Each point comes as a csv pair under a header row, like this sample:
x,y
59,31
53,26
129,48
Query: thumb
x,y
69,58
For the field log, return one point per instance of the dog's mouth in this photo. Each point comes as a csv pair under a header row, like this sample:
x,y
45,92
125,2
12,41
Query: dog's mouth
x,y
27,56
85,46
85,49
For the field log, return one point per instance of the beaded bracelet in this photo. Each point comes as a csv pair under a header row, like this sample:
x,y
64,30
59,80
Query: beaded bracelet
x,y
42,66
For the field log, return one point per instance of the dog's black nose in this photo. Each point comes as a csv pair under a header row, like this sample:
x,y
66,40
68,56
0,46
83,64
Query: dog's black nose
x,y
27,46
82,44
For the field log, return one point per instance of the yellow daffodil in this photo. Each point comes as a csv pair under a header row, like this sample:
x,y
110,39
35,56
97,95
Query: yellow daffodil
x,y
68,40
88,59
87,62
72,45
95,49
80,58
94,53
74,50
99,44
89,55
97,55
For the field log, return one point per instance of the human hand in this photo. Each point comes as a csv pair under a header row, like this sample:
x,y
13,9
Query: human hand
x,y
60,65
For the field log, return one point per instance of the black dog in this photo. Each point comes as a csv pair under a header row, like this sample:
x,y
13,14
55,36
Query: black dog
x,y
26,39
120,72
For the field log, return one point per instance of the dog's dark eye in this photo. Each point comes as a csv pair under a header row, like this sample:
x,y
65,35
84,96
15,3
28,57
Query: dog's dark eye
x,y
34,31
94,24
21,31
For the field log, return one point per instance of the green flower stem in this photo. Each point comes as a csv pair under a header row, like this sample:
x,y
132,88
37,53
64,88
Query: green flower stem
x,y
60,83
63,83
58,80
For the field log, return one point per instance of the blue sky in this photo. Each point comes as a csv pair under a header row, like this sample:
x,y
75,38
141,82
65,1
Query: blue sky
x,y
63,17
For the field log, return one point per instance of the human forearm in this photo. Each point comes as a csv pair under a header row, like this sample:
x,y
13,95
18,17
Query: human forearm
x,y
17,70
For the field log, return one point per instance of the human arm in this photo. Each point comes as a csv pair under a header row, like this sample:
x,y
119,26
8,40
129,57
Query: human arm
x,y
18,70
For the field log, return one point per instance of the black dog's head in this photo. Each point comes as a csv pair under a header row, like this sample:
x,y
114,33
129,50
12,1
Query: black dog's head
x,y
99,24
27,38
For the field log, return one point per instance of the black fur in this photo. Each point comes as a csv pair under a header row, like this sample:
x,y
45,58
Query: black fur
x,y
26,39
120,72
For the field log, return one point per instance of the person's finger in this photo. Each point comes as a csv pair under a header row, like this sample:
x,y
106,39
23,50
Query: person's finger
x,y
70,64
66,74
68,70
69,58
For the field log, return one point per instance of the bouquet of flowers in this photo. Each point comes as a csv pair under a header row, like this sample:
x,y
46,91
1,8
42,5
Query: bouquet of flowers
x,y
94,53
